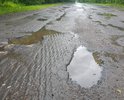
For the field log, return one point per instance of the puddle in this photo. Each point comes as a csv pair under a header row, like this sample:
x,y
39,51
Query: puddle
x,y
66,7
83,69
30,39
42,19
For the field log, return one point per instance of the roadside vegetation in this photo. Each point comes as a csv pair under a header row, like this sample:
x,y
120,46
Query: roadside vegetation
x,y
104,1
10,7
119,6
113,3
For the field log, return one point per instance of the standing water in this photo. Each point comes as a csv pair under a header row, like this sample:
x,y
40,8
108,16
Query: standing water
x,y
77,4
83,69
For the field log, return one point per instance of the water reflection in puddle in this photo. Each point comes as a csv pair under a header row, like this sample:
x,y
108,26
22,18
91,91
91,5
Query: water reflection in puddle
x,y
83,69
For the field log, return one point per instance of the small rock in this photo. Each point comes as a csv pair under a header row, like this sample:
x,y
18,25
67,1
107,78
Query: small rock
x,y
8,87
3,84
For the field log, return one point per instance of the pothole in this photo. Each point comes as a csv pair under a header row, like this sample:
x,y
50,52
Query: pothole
x,y
66,7
58,19
83,69
42,19
30,39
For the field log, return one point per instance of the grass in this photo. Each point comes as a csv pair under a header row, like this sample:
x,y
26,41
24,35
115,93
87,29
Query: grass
x,y
119,6
10,7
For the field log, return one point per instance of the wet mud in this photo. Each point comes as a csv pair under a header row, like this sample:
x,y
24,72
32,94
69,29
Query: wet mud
x,y
1,47
43,49
118,40
107,15
34,38
42,19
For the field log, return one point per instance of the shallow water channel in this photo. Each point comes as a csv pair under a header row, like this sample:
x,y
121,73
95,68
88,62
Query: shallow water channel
x,y
83,69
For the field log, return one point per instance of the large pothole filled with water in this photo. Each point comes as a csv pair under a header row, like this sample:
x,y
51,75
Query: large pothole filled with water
x,y
33,38
83,68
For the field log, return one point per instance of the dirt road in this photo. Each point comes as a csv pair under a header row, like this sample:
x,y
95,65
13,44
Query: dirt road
x,y
40,52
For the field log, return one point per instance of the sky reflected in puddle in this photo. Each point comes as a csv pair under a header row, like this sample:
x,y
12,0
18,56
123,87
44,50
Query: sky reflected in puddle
x,y
83,69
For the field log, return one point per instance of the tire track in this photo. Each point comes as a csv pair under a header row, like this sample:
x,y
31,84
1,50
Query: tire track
x,y
40,72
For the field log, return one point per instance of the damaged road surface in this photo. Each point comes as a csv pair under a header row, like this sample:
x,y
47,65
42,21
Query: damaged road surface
x,y
69,52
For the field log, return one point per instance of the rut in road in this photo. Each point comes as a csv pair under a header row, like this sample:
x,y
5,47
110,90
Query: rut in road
x,y
40,75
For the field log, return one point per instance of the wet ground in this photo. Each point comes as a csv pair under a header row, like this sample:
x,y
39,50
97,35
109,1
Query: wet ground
x,y
70,52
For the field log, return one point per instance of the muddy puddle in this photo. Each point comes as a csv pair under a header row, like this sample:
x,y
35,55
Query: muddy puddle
x,y
30,39
42,19
83,69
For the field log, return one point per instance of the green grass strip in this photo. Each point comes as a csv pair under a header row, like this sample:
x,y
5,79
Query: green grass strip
x,y
12,8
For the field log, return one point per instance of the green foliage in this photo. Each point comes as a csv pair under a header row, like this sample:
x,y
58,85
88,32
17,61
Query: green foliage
x,y
104,1
10,4
19,7
33,2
